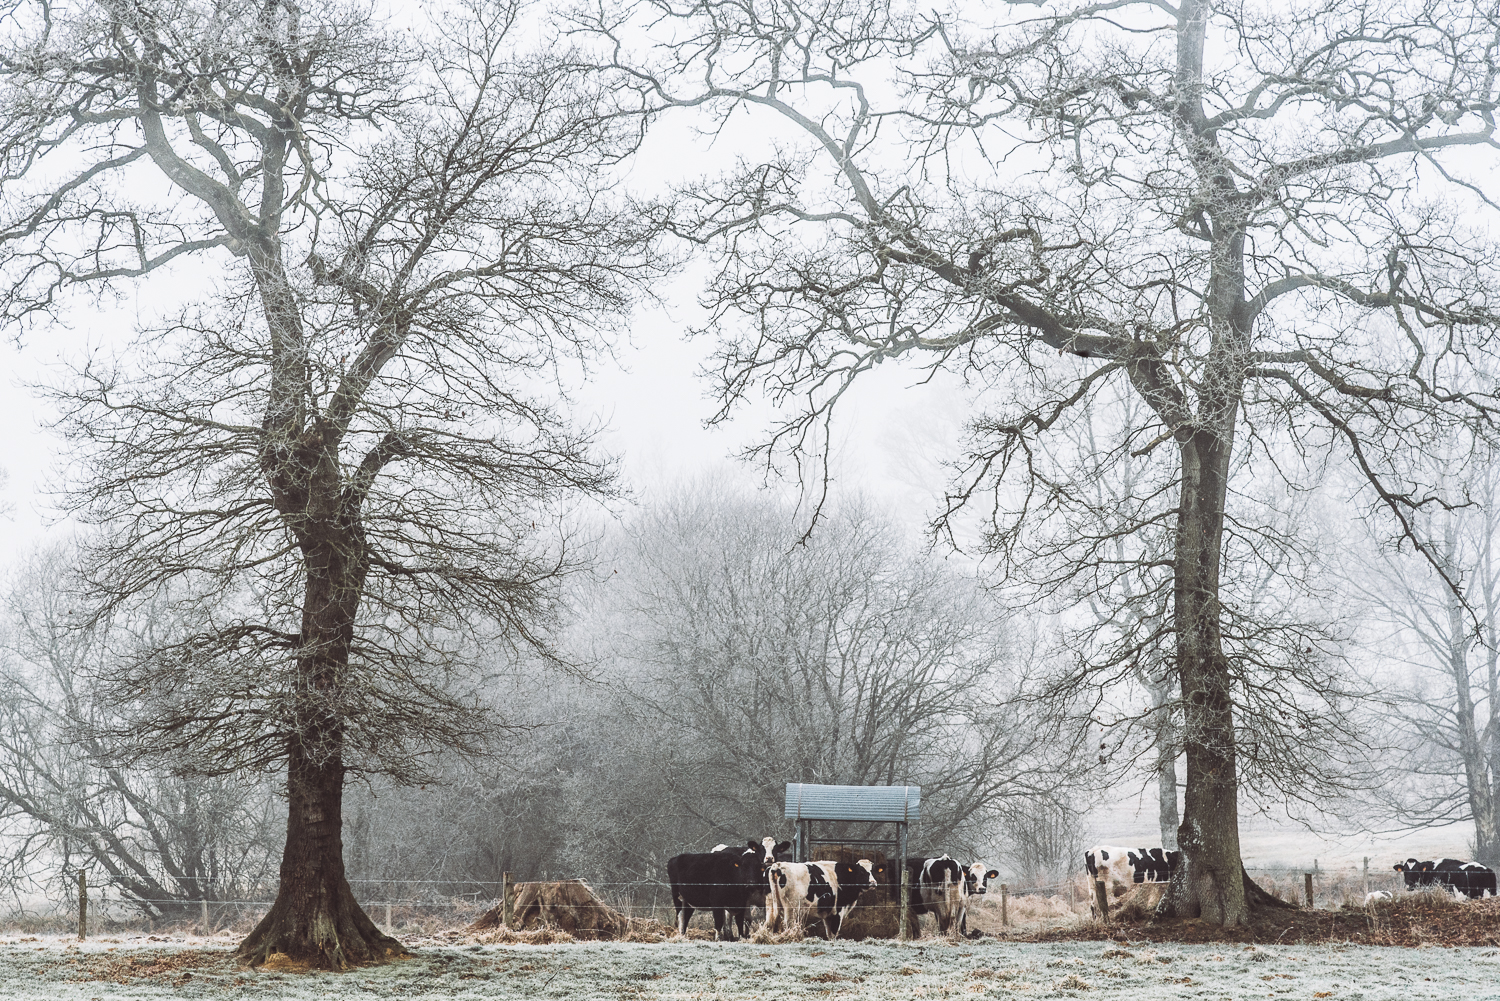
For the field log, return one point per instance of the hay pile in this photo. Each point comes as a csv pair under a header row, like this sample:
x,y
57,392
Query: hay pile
x,y
570,908
1138,904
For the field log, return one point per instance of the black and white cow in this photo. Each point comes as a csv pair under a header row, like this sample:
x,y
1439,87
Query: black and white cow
x,y
936,886
976,883
1112,864
1468,878
725,882
775,851
798,891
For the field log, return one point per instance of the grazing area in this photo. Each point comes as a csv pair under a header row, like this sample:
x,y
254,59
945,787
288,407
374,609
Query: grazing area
x,y
54,970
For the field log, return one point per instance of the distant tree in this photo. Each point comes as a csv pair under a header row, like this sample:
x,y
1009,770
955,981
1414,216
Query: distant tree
x,y
742,660
1261,222
162,841
1444,640
338,457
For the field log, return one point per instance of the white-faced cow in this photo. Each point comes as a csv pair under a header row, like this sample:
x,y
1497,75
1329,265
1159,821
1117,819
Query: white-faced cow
x,y
1469,879
798,891
976,884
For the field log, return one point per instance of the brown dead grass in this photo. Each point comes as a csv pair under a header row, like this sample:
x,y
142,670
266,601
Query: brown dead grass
x,y
176,966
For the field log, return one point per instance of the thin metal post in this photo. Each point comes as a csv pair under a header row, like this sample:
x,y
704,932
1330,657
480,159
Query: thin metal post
x,y
83,904
903,904
1367,874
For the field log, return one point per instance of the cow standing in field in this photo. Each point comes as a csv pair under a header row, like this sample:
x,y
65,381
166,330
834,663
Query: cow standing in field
x,y
1469,879
723,882
829,890
976,883
1112,864
775,851
936,886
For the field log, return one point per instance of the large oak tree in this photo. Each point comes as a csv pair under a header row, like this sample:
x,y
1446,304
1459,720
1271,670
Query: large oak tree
x,y
1267,224
333,454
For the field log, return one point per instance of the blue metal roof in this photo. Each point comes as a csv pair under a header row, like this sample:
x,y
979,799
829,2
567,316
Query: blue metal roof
x,y
805,801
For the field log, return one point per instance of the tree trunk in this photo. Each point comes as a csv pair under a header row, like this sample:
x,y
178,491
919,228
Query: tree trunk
x,y
1166,792
315,918
1470,743
1208,883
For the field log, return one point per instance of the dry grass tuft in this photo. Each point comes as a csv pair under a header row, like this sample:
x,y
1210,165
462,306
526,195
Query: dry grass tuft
x,y
1139,904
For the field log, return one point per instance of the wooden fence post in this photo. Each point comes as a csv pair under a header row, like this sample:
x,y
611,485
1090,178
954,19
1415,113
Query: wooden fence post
x,y
507,898
1102,897
207,928
388,929
1307,884
1367,874
83,904
902,904
1004,908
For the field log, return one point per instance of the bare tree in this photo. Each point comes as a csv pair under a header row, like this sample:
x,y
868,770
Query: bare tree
x,y
751,661
1449,713
163,841
1259,222
343,459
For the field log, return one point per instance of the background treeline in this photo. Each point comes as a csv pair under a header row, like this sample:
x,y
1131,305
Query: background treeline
x,y
712,657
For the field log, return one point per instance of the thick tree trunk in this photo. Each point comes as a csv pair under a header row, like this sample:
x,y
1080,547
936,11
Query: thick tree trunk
x,y
315,918
1208,883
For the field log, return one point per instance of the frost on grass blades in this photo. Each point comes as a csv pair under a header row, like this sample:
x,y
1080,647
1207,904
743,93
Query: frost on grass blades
x,y
44,971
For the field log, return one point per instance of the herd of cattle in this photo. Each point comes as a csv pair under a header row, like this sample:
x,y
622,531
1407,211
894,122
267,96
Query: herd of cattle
x,y
729,882
1114,865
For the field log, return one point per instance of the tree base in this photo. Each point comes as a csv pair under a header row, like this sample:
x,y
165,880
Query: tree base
x,y
1258,899
331,933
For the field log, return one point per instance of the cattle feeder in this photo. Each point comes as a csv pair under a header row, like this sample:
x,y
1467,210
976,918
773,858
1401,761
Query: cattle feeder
x,y
898,805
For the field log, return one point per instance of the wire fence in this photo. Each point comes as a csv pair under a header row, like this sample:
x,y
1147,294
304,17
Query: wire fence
x,y
436,907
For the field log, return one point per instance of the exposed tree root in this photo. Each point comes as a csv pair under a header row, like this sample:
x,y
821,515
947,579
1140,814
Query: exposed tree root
x,y
334,936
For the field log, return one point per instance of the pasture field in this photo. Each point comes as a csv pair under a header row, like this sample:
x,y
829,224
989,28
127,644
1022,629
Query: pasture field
x,y
138,969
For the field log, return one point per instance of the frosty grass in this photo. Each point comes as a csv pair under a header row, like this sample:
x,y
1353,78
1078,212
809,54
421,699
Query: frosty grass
x,y
57,970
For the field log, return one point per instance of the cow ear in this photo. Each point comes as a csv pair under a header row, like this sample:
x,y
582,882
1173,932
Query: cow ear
x,y
992,874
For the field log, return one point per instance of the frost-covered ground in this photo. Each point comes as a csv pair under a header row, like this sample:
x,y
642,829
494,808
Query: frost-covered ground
x,y
96,971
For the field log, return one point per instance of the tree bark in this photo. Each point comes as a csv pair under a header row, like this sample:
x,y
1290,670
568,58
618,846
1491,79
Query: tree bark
x,y
315,918
1208,883
1166,789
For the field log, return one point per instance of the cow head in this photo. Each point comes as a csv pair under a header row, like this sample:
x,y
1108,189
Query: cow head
x,y
771,851
1412,871
856,876
977,877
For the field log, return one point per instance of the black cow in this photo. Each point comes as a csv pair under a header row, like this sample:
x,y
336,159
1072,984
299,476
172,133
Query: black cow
x,y
722,882
1468,878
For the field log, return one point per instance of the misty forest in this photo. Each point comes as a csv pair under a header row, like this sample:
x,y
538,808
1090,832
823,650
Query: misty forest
x,y
1183,318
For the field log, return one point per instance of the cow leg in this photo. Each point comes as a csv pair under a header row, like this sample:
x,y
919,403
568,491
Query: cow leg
x,y
718,924
684,915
